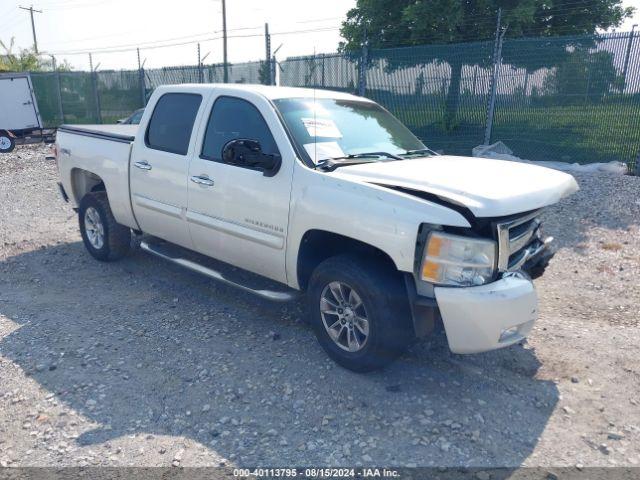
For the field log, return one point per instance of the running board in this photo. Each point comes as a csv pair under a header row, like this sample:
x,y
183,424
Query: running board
x,y
271,295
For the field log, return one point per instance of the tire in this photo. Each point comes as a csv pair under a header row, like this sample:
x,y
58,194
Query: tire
x,y
116,238
7,142
384,304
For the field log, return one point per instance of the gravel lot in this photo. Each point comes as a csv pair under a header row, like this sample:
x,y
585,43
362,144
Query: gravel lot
x,y
141,363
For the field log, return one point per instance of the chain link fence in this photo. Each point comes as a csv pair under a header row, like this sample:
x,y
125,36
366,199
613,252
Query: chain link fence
x,y
106,96
573,99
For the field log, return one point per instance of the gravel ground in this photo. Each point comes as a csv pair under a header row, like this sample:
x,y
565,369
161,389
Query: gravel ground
x,y
141,363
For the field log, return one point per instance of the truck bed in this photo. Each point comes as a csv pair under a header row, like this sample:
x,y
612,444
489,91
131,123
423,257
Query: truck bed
x,y
103,151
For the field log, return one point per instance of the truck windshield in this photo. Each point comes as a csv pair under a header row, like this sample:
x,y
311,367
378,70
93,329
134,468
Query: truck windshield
x,y
331,128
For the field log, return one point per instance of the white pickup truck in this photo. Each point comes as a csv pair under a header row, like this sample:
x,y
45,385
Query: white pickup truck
x,y
323,193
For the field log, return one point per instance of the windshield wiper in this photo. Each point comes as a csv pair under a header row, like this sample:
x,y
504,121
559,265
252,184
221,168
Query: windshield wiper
x,y
420,152
331,164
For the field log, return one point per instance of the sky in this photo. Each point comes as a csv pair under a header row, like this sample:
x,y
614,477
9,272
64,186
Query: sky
x,y
631,21
67,27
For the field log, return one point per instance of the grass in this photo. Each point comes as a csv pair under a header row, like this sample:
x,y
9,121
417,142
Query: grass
x,y
575,133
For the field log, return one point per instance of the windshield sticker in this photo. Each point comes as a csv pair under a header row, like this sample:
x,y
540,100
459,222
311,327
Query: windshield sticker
x,y
321,127
323,150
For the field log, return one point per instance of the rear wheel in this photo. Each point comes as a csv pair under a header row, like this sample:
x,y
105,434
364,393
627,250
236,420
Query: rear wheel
x,y
104,238
7,142
360,312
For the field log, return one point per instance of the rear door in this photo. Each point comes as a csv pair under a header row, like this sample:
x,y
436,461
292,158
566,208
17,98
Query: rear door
x,y
160,164
18,109
236,214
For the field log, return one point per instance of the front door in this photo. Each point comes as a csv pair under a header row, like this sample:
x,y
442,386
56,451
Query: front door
x,y
236,214
159,167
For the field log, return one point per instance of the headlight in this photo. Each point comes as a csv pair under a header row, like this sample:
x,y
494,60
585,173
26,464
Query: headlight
x,y
460,261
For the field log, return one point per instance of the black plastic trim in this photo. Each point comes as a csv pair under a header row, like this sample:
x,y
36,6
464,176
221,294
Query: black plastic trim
x,y
65,197
113,137
424,310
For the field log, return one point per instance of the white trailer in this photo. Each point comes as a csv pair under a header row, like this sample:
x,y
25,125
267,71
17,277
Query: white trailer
x,y
19,115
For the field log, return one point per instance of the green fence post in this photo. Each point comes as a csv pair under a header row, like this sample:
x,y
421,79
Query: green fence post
x,y
497,62
59,96
94,81
364,60
143,96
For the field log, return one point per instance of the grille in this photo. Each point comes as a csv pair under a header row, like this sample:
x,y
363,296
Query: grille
x,y
518,240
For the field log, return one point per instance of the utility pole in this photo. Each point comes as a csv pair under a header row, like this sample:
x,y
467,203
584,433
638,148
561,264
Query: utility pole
x,y
626,58
224,41
33,26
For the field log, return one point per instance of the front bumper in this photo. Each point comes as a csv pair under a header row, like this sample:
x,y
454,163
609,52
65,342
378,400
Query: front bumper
x,y
478,319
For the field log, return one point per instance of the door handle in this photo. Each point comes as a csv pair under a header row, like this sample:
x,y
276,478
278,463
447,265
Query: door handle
x,y
202,180
143,165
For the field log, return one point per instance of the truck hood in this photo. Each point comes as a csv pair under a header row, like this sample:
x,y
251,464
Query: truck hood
x,y
487,187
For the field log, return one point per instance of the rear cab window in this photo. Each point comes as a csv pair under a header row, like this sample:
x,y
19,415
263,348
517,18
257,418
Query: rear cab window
x,y
172,121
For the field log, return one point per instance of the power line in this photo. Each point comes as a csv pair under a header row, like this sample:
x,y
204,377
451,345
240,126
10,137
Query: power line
x,y
148,44
190,42
12,24
74,5
154,43
6,12
193,36
319,20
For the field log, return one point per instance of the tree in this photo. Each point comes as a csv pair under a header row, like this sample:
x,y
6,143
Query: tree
x,y
26,60
398,23
583,76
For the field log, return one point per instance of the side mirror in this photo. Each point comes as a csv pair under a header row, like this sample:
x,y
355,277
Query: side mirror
x,y
248,154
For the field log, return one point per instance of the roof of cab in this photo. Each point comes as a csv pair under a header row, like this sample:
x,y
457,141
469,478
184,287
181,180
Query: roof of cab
x,y
270,92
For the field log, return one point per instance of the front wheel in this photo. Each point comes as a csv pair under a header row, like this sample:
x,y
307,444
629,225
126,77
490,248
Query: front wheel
x,y
7,142
360,312
105,239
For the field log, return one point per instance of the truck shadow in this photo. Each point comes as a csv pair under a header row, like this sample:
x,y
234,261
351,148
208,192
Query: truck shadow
x,y
143,347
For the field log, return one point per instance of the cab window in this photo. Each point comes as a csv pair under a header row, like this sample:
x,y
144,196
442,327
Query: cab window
x,y
232,118
172,122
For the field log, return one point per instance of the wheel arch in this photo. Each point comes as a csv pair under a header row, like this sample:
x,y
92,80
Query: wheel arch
x,y
83,182
318,245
